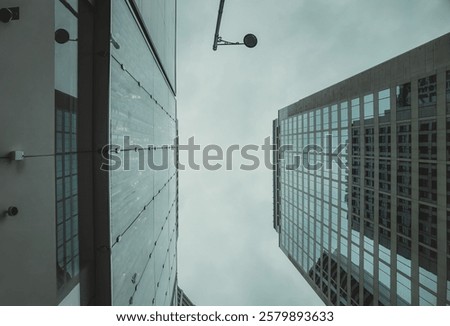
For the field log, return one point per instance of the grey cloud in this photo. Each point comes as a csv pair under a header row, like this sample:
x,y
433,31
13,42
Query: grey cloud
x,y
228,252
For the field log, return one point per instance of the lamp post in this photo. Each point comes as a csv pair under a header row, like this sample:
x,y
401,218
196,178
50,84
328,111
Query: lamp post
x,y
249,41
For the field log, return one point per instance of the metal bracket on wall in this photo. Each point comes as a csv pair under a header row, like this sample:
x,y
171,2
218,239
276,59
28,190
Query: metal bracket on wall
x,y
250,40
16,156
12,211
8,14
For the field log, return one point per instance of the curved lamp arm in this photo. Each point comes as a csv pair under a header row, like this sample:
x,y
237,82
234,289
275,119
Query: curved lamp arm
x,y
250,40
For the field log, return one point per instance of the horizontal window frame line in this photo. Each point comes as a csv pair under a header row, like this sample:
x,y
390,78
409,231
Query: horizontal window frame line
x,y
140,213
174,235
123,67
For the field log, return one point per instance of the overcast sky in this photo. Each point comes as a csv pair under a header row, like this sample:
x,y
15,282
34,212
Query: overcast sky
x,y
227,249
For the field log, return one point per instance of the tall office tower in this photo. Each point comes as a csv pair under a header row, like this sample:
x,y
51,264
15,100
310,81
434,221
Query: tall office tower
x,y
183,299
89,212
362,183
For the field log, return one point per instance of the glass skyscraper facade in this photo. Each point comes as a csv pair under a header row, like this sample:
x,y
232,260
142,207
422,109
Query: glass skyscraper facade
x,y
90,80
361,197
143,204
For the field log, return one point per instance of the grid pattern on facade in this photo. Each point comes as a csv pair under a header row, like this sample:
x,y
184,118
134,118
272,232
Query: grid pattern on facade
x,y
308,194
328,240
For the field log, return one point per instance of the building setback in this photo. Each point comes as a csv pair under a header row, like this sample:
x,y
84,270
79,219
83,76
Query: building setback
x,y
374,230
183,299
77,76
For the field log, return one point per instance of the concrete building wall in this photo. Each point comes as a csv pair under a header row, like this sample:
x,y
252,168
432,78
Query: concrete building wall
x,y
27,240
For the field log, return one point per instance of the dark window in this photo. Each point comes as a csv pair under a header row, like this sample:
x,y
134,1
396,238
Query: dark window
x,y
404,246
448,139
369,141
356,135
356,202
404,141
427,140
428,225
385,210
448,186
448,86
369,173
66,157
404,217
66,188
448,92
385,175
448,236
369,205
384,236
404,178
427,91
428,259
385,141
404,102
428,182
356,171
404,95
354,288
427,96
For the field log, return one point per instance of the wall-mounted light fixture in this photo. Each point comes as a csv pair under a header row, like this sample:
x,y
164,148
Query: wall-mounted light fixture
x,y
12,211
8,14
114,42
62,36
249,41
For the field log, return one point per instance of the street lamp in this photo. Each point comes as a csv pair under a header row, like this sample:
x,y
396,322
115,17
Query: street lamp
x,y
249,41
